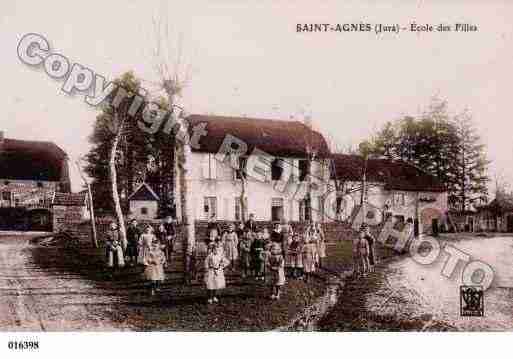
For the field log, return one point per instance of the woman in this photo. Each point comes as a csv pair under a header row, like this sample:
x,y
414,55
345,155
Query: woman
x,y
114,250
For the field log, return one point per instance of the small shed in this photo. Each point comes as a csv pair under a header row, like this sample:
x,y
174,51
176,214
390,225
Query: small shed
x,y
144,203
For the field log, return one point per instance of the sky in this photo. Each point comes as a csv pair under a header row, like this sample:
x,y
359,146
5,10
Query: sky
x,y
246,58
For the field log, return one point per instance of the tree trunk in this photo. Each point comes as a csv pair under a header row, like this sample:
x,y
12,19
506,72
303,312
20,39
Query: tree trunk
x,y
114,182
243,198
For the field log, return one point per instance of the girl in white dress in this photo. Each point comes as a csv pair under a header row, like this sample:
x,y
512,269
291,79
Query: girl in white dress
x,y
154,261
230,245
215,263
321,242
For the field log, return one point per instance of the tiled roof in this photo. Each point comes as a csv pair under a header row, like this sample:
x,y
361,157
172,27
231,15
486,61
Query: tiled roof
x,y
396,175
30,160
69,199
276,137
143,193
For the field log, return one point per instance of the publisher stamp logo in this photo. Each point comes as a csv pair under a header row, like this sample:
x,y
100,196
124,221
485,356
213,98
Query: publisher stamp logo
x,y
471,301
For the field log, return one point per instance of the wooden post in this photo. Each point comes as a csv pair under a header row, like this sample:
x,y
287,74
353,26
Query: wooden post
x,y
91,207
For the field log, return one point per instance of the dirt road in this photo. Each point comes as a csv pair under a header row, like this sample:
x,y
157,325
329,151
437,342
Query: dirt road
x,y
411,290
43,299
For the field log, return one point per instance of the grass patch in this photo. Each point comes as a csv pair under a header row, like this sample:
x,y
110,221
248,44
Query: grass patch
x,y
244,306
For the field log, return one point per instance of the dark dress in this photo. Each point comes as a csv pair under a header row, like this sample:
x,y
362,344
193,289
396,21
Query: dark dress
x,y
370,240
170,229
132,235
258,256
251,225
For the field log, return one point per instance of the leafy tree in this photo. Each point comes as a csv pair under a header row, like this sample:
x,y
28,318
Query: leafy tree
x,y
447,147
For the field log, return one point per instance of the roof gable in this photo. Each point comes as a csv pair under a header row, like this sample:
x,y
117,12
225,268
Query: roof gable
x,y
31,160
395,175
278,138
143,193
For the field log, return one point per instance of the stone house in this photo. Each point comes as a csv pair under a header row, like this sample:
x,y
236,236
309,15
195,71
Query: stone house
x,y
31,172
495,216
275,157
393,187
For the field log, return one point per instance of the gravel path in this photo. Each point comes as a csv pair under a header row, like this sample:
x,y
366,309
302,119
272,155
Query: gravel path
x,y
36,299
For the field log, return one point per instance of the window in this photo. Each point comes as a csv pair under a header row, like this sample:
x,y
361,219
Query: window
x,y
6,196
238,211
209,166
276,209
304,170
276,169
210,207
144,211
242,168
39,184
305,210
7,183
399,199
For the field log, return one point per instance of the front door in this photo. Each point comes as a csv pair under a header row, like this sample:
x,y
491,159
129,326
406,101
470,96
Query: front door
x,y
510,223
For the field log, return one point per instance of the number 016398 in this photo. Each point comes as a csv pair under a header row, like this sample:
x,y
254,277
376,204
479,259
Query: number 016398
x,y
23,345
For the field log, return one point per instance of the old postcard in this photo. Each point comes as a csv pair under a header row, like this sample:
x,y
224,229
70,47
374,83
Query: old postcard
x,y
228,166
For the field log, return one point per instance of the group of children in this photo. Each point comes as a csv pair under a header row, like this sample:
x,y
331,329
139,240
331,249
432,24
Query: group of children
x,y
258,253
150,248
253,251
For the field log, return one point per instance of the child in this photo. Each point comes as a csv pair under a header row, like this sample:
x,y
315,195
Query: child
x,y
214,272
295,256
258,255
277,270
308,257
360,254
145,242
230,244
321,243
154,260
114,250
132,235
162,238
245,253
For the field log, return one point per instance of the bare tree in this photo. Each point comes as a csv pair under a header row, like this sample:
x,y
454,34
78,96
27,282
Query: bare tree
x,y
173,77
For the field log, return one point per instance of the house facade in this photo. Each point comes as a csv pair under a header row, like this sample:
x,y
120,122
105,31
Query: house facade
x,y
497,216
31,173
144,203
393,188
276,162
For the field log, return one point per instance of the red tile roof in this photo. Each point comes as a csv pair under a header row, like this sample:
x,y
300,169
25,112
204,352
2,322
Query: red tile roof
x,y
276,137
396,175
30,160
